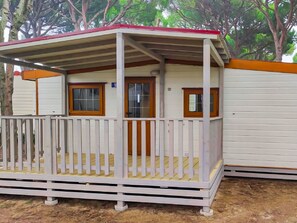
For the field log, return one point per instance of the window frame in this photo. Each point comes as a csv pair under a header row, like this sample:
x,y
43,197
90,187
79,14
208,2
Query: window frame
x,y
189,114
100,86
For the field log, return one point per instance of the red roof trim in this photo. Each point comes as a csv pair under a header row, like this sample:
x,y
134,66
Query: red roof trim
x,y
149,28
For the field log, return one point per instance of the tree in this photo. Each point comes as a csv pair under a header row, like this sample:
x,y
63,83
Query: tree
x,y
46,17
281,16
241,23
85,14
14,14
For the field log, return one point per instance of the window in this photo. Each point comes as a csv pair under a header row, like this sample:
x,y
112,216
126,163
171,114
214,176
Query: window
x,y
193,102
86,99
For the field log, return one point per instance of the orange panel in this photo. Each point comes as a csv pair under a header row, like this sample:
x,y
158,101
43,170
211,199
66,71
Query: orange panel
x,y
36,74
262,66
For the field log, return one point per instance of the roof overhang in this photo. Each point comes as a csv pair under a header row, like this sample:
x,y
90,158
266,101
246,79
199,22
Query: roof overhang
x,y
96,48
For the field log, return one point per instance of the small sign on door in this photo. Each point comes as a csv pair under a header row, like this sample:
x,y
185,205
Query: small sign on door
x,y
113,84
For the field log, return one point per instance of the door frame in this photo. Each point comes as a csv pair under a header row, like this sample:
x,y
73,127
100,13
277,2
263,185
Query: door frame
x,y
152,82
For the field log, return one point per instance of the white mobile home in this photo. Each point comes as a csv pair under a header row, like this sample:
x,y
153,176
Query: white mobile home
x,y
142,117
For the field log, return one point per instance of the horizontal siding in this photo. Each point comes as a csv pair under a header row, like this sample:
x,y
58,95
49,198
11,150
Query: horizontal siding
x,y
23,97
260,119
50,96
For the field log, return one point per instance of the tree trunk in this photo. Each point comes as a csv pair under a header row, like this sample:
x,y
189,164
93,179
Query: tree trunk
x,y
278,53
9,90
4,21
7,77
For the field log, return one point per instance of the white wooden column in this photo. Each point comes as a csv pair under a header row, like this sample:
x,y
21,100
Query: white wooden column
x,y
205,159
221,83
65,94
119,151
162,88
119,139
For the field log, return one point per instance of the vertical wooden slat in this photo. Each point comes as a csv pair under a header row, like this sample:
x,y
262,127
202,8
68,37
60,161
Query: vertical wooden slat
x,y
126,157
47,145
134,149
143,148
70,144
29,142
20,144
37,145
171,148
63,140
162,148
12,145
79,147
106,147
153,149
97,147
4,143
201,167
180,150
191,148
88,147
54,149
83,141
57,131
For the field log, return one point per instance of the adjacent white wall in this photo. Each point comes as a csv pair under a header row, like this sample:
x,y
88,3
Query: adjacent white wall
x,y
260,119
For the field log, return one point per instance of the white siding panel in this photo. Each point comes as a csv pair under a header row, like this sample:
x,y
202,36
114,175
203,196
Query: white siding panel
x,y
50,96
24,97
260,119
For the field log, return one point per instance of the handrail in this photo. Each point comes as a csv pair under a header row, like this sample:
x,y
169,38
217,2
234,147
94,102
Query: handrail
x,y
106,118
216,118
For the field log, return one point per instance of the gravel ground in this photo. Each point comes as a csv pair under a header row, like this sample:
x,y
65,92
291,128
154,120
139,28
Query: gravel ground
x,y
238,200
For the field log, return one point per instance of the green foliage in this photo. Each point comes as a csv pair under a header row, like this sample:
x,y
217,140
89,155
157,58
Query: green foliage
x,y
295,58
243,25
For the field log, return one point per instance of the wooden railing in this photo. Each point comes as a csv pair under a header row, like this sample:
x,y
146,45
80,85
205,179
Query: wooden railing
x,y
21,147
154,148
216,128
83,145
173,148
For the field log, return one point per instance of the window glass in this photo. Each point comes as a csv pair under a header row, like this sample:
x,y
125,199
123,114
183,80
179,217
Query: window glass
x,y
194,102
86,99
139,100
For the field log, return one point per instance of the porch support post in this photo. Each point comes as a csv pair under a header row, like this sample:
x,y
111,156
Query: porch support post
x,y
48,157
119,150
63,123
205,153
162,88
221,107
65,94
205,164
221,83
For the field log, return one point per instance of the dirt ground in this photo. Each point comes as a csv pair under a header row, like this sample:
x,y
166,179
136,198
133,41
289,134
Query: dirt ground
x,y
238,200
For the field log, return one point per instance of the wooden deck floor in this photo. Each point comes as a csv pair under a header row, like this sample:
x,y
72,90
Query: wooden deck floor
x,y
109,172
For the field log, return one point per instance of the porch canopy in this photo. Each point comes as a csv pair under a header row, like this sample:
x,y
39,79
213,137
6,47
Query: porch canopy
x,y
95,49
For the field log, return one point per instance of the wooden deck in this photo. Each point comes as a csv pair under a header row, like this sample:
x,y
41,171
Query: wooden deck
x,y
109,172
